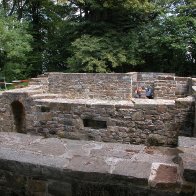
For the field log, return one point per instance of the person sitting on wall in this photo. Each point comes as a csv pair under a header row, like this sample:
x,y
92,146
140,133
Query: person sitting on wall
x,y
138,92
149,92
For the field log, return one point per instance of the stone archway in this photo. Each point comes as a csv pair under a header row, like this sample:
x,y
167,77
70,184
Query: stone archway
x,y
19,116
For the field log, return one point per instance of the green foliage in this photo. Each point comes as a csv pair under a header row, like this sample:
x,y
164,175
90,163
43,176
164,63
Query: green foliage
x,y
14,47
100,36
169,39
95,54
103,54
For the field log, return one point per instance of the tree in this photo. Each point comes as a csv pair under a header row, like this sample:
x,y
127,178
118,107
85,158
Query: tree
x,y
169,41
107,34
15,45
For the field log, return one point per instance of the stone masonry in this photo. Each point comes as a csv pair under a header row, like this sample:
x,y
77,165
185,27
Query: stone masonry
x,y
37,157
101,107
33,165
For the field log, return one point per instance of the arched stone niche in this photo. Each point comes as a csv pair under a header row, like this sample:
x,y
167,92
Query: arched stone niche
x,y
18,112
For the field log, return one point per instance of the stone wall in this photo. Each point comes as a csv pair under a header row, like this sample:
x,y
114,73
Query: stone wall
x,y
171,87
23,97
33,166
93,86
137,121
29,179
185,115
7,122
165,86
145,79
151,76
154,121
118,86
2,113
183,86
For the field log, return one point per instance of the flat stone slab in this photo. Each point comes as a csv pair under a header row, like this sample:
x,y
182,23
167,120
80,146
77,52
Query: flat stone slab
x,y
28,90
132,162
187,142
149,168
146,101
186,99
164,175
87,101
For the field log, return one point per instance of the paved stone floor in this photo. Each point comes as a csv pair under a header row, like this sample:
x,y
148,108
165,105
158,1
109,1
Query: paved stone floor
x,y
156,166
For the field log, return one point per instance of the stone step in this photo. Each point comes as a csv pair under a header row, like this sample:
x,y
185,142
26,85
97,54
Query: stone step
x,y
38,81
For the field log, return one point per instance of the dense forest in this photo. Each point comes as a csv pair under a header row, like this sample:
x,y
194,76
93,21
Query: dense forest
x,y
38,36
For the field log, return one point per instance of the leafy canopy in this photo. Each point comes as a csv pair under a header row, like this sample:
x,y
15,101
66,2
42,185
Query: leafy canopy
x,y
14,46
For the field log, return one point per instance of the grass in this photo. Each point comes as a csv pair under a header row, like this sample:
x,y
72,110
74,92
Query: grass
x,y
11,87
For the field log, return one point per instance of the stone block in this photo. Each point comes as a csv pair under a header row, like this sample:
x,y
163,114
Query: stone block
x,y
189,166
163,176
138,116
137,172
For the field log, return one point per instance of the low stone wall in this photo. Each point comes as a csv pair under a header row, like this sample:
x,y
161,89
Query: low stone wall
x,y
183,86
145,79
185,115
32,165
118,86
137,121
2,111
165,86
21,96
154,122
171,87
92,86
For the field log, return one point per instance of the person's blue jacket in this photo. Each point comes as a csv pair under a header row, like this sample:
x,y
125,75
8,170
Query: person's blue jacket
x,y
149,92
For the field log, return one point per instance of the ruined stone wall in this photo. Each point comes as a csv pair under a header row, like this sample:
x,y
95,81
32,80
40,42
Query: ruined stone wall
x,y
171,87
185,115
7,121
118,86
18,178
6,116
164,87
140,123
3,120
33,166
93,86
183,86
151,76
155,123
145,79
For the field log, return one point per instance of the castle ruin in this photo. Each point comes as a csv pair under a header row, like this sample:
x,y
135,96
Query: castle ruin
x,y
100,108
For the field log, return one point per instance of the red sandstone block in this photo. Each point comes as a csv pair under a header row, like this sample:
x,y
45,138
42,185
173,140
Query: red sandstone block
x,y
163,176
